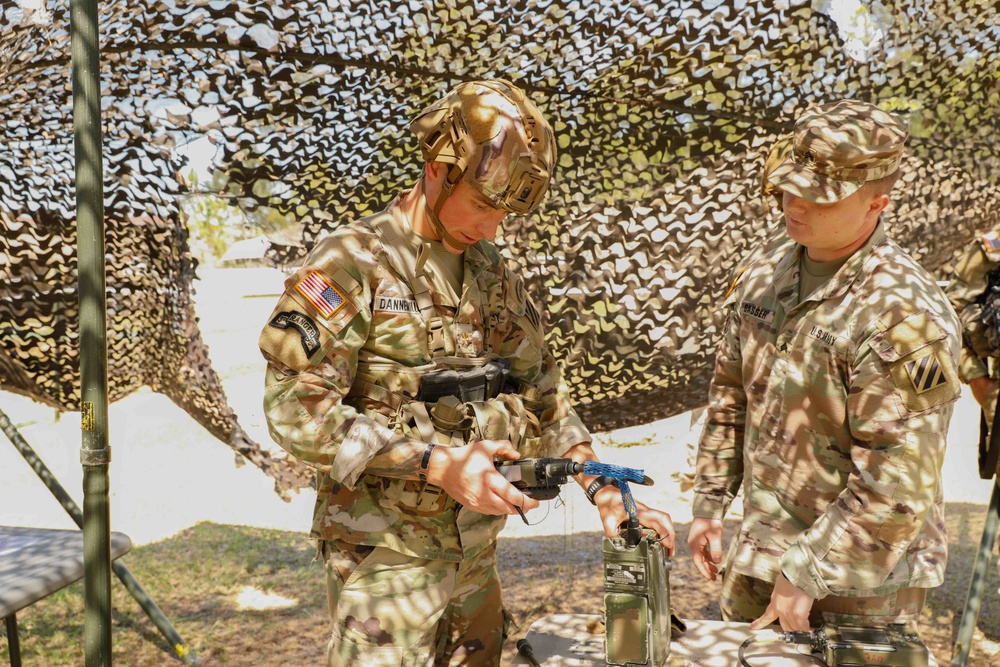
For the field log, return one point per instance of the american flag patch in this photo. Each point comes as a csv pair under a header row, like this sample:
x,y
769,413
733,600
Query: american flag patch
x,y
321,294
990,241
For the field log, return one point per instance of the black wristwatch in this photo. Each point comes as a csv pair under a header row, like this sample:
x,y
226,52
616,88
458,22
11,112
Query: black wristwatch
x,y
597,485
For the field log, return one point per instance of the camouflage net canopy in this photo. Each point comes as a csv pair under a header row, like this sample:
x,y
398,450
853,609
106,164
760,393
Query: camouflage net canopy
x,y
663,113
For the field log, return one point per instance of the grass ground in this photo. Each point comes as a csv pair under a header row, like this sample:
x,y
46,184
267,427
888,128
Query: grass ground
x,y
254,597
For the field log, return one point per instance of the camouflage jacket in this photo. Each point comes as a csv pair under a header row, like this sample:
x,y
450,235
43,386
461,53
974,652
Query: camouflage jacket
x,y
832,415
968,283
350,318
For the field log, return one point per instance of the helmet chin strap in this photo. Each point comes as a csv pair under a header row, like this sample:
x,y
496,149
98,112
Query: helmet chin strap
x,y
431,212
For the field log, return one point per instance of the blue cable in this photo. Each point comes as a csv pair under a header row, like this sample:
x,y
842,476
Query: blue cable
x,y
624,476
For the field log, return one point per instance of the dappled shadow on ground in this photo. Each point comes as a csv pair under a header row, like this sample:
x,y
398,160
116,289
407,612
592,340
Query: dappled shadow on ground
x,y
196,578
562,574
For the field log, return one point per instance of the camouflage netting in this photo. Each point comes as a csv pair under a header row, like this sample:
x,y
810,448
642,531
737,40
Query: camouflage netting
x,y
663,113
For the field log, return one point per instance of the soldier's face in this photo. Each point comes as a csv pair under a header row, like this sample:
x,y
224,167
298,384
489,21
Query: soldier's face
x,y
467,215
832,231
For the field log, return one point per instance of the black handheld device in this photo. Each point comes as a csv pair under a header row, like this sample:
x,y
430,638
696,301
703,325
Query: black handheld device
x,y
539,478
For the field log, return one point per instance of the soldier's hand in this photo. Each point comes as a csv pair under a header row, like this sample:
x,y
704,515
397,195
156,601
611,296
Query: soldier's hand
x,y
705,542
468,475
981,388
613,515
790,606
660,522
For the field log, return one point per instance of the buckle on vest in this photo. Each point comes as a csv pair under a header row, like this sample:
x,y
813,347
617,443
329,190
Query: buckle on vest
x,y
435,337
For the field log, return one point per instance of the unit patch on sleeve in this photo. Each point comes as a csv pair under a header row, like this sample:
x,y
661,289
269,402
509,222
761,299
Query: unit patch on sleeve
x,y
926,373
991,245
308,331
321,294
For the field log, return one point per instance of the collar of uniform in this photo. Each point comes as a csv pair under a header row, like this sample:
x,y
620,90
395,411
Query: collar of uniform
x,y
854,267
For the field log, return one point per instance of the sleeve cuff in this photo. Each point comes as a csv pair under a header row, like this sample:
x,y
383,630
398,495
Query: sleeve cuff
x,y
970,367
566,435
709,507
798,569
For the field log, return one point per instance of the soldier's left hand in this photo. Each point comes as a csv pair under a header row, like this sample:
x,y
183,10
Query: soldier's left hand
x,y
790,606
613,515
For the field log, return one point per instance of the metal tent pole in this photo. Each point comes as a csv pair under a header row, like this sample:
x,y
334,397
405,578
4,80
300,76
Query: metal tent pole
x,y
94,453
974,599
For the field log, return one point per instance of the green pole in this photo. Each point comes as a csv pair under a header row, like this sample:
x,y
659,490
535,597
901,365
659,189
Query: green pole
x,y
132,585
94,453
974,599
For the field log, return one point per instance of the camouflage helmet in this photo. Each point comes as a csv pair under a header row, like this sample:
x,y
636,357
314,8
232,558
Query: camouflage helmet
x,y
495,138
837,148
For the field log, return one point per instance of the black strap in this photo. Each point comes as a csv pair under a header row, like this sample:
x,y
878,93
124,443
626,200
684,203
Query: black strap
x,y
425,462
597,485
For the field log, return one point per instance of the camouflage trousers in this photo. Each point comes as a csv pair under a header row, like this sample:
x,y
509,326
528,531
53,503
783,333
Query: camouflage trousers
x,y
387,608
744,599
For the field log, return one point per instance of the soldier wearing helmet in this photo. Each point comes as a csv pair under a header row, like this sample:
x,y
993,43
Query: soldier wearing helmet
x,y
834,385
404,358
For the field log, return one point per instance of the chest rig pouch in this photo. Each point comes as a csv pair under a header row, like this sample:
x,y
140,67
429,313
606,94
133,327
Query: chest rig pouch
x,y
454,401
476,383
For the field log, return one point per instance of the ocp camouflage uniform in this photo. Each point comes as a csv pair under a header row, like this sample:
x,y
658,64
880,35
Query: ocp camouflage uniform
x,y
831,412
355,331
968,285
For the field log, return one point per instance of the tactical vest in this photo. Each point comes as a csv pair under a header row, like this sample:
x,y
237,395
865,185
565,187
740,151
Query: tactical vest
x,y
453,400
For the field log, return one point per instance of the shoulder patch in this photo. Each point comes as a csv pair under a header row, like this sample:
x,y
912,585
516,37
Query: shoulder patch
x,y
990,242
326,298
916,351
926,373
292,338
302,323
514,291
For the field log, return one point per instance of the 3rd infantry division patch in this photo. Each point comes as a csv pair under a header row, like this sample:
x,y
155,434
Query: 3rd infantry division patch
x,y
926,373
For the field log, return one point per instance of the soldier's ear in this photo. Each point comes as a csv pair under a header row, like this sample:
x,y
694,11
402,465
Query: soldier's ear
x,y
434,170
877,205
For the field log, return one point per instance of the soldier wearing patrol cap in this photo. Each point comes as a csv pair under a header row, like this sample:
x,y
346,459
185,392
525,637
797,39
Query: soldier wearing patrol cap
x,y
833,389
403,359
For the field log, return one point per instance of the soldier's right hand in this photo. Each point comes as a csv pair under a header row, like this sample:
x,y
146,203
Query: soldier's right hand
x,y
469,475
705,541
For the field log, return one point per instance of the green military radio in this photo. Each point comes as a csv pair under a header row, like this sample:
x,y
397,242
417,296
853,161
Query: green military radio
x,y
637,599
895,645
892,645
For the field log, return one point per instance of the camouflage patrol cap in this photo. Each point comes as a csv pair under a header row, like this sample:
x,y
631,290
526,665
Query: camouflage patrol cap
x,y
838,147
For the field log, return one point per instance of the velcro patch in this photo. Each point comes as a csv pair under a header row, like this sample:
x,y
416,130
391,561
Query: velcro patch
x,y
533,316
308,331
390,304
326,298
990,240
926,373
822,334
991,245
926,378
291,337
758,312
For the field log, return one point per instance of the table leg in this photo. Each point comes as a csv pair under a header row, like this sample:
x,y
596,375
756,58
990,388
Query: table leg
x,y
13,645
